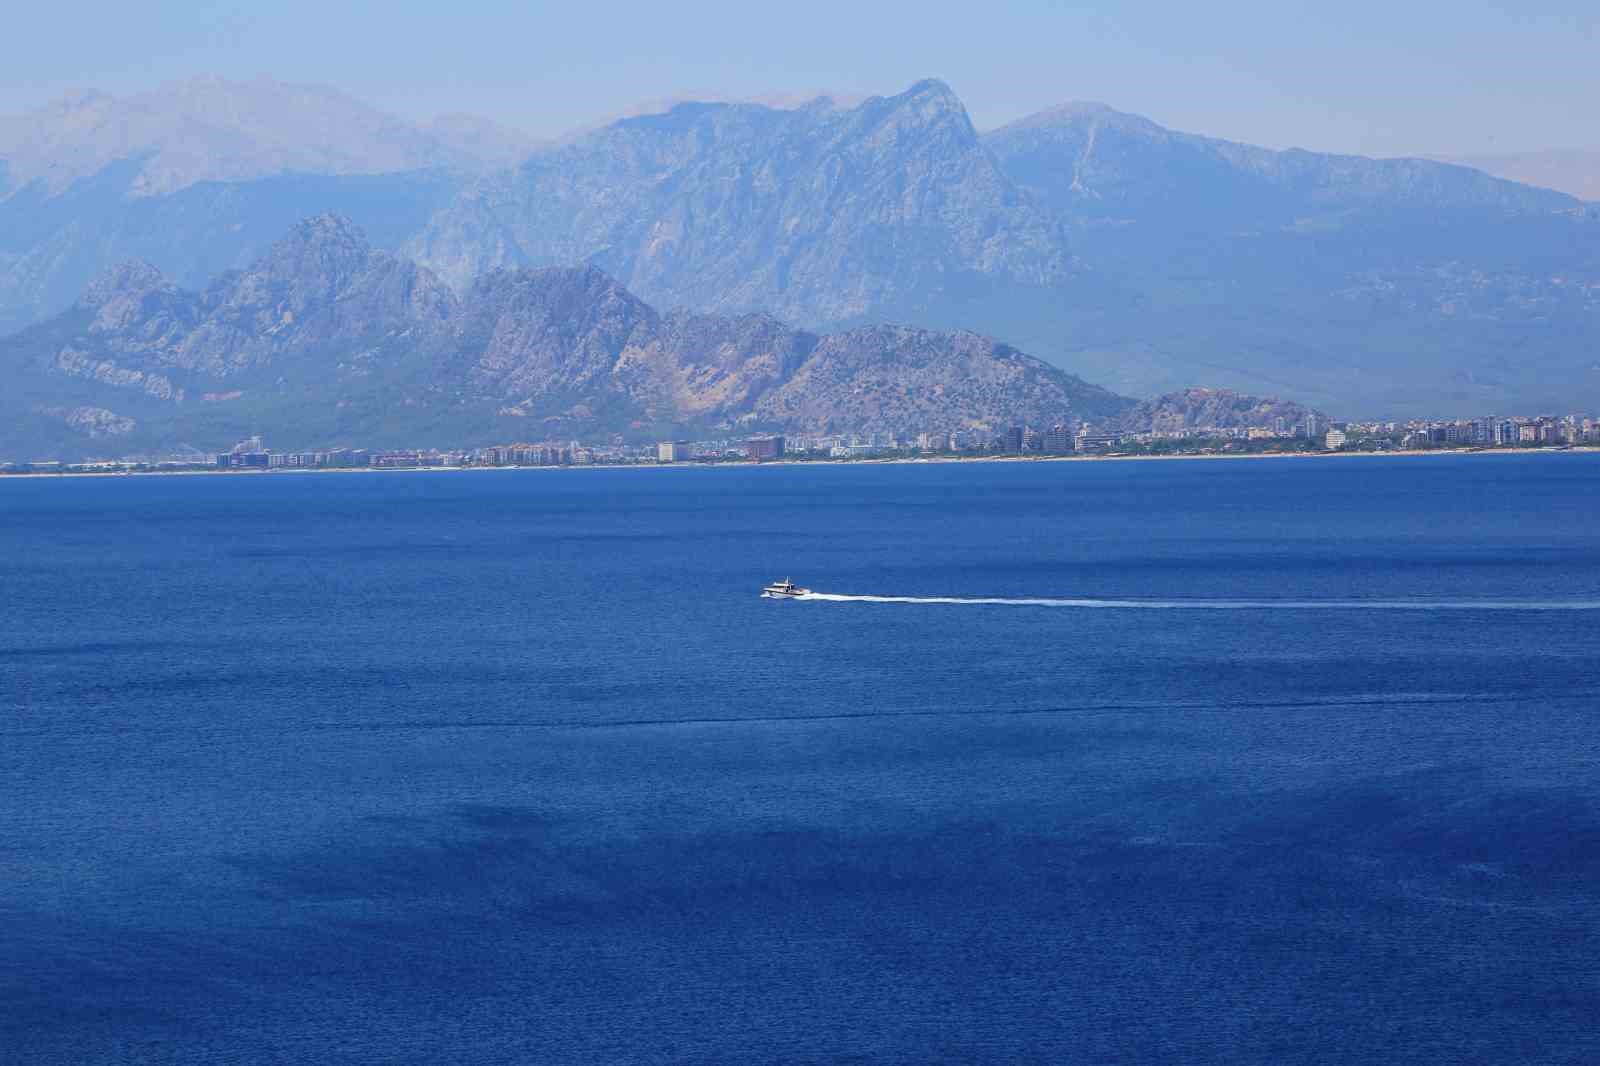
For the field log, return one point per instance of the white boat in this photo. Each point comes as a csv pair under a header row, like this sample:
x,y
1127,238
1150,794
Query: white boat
x,y
783,590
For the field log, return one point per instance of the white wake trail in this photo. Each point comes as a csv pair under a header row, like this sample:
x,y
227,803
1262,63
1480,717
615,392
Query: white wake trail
x,y
1221,605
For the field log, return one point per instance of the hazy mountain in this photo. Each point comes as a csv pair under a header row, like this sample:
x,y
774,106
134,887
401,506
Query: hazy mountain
x,y
212,129
1144,258
1360,285
52,245
326,339
200,177
784,100
476,143
1089,160
1575,171
820,213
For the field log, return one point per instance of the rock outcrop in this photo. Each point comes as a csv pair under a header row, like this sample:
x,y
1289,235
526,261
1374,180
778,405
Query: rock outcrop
x,y
1192,409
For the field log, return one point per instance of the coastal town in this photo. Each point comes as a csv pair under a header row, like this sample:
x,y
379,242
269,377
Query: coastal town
x,y
1313,435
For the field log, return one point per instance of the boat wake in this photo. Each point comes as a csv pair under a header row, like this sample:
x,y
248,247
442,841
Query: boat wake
x,y
1219,605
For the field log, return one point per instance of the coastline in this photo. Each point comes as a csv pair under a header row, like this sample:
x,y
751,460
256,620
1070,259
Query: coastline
x,y
746,464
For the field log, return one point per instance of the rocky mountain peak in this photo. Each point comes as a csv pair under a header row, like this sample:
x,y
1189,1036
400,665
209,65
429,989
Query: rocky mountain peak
x,y
1078,115
327,245
131,278
819,214
328,227
323,283
934,93
557,291
929,106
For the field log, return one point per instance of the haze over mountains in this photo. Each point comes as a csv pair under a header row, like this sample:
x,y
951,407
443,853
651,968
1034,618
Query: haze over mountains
x,y
1572,170
211,129
1140,258
328,340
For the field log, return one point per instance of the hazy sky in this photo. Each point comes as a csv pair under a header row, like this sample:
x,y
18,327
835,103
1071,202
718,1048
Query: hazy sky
x,y
1386,77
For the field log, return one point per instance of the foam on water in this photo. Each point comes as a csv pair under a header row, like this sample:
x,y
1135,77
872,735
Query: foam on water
x,y
1218,604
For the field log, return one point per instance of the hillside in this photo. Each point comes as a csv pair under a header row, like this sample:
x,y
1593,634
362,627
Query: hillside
x,y
1144,258
1190,409
328,340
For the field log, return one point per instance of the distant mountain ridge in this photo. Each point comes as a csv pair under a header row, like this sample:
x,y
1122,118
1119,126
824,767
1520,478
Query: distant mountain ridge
x,y
328,340
1380,286
1139,257
212,129
820,213
1574,171
1090,158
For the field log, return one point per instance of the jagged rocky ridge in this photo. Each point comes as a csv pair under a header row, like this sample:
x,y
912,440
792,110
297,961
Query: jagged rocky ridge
x,y
1200,408
1089,160
1139,257
821,214
327,340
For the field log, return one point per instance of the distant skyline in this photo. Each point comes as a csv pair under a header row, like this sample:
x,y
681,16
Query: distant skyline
x,y
1358,76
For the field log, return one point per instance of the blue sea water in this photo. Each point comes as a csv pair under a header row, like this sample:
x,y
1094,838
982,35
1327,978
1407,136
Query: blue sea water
x,y
516,767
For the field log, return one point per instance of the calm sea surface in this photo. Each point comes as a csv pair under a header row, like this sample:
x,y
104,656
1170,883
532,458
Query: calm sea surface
x,y
516,767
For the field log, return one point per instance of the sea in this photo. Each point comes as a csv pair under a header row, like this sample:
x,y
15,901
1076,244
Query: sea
x,y
1264,761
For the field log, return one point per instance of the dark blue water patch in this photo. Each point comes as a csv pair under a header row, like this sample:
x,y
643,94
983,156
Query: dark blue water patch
x,y
517,767
104,647
1214,932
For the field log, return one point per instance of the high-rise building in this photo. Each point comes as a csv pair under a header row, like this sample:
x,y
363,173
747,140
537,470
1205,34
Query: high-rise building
x,y
761,448
1012,441
673,451
1096,442
1334,440
1058,441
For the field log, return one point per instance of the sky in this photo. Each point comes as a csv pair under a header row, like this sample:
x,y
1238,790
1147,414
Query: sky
x,y
1377,78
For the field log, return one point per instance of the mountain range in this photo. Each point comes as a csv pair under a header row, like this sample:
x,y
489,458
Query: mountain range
x,y
1144,259
326,340
1572,170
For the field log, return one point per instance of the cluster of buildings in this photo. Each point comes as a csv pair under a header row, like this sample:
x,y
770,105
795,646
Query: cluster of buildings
x,y
1308,433
1495,432
252,454
1520,431
1059,439
759,449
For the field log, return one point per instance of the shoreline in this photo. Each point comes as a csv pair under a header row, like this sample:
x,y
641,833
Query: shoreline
x,y
745,465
